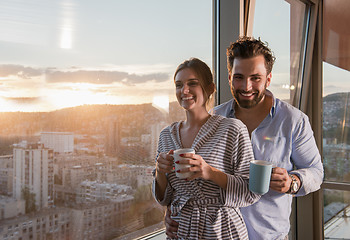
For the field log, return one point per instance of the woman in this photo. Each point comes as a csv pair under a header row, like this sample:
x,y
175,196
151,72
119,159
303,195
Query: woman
x,y
206,205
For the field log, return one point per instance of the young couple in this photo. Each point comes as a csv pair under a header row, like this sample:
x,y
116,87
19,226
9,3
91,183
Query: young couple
x,y
215,202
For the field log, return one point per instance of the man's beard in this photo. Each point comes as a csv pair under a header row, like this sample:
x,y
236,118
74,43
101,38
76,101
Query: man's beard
x,y
258,96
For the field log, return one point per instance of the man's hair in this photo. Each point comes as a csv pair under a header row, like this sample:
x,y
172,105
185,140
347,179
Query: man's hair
x,y
248,47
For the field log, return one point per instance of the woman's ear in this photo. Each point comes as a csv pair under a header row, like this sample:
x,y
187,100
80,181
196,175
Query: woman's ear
x,y
211,89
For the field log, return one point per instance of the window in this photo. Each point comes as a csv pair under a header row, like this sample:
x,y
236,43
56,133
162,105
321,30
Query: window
x,y
336,119
88,85
289,28
289,17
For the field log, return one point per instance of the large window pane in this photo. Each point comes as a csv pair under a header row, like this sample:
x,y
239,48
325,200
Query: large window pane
x,y
282,24
336,149
336,123
85,88
336,117
336,93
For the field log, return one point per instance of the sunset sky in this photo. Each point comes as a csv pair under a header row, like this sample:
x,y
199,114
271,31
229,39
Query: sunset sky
x,y
63,53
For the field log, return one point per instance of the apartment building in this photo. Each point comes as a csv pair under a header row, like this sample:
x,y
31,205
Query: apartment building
x,y
60,142
94,191
6,175
83,221
45,224
10,207
100,220
33,169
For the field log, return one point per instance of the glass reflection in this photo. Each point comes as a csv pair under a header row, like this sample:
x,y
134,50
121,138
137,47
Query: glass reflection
x,y
336,123
282,25
85,89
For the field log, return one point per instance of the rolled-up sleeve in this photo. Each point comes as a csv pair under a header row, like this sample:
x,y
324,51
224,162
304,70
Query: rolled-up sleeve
x,y
166,199
306,158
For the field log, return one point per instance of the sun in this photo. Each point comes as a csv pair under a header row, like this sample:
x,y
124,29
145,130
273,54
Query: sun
x,y
161,103
75,95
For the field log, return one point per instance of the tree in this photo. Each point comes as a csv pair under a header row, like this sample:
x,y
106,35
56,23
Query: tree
x,y
29,198
143,193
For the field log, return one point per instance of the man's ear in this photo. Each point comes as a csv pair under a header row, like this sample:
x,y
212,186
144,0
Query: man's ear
x,y
268,79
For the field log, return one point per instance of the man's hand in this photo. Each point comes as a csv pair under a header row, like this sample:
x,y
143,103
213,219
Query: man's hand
x,y
280,180
171,226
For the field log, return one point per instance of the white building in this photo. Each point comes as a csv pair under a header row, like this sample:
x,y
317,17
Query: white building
x,y
73,176
130,175
46,224
60,142
100,221
10,207
92,191
33,169
144,176
90,221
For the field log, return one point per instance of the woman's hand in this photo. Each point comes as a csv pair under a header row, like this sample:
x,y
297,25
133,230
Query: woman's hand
x,y
199,167
165,162
203,170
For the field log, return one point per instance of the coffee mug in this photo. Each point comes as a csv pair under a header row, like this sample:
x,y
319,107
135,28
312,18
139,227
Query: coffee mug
x,y
178,166
259,176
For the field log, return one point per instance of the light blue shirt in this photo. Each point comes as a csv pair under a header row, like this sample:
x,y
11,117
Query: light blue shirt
x,y
286,139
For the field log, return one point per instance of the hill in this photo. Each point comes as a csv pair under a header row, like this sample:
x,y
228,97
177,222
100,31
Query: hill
x,y
86,119
336,117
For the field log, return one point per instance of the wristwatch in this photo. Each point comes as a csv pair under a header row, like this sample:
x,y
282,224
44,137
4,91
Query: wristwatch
x,y
294,187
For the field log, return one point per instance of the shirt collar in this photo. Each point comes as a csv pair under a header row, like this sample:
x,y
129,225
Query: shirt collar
x,y
272,111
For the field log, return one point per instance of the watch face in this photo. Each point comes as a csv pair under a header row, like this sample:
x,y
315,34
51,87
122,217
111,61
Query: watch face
x,y
295,187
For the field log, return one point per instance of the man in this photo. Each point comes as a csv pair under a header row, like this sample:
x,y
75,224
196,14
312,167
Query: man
x,y
279,133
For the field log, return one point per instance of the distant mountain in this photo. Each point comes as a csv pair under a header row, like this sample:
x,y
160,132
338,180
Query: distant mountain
x,y
336,117
337,97
337,106
87,119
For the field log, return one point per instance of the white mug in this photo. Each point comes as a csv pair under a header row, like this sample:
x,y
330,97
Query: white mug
x,y
178,166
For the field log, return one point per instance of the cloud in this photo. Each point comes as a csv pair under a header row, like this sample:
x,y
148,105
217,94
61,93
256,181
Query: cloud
x,y
331,86
100,90
102,77
96,77
23,100
94,89
76,75
7,70
158,77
